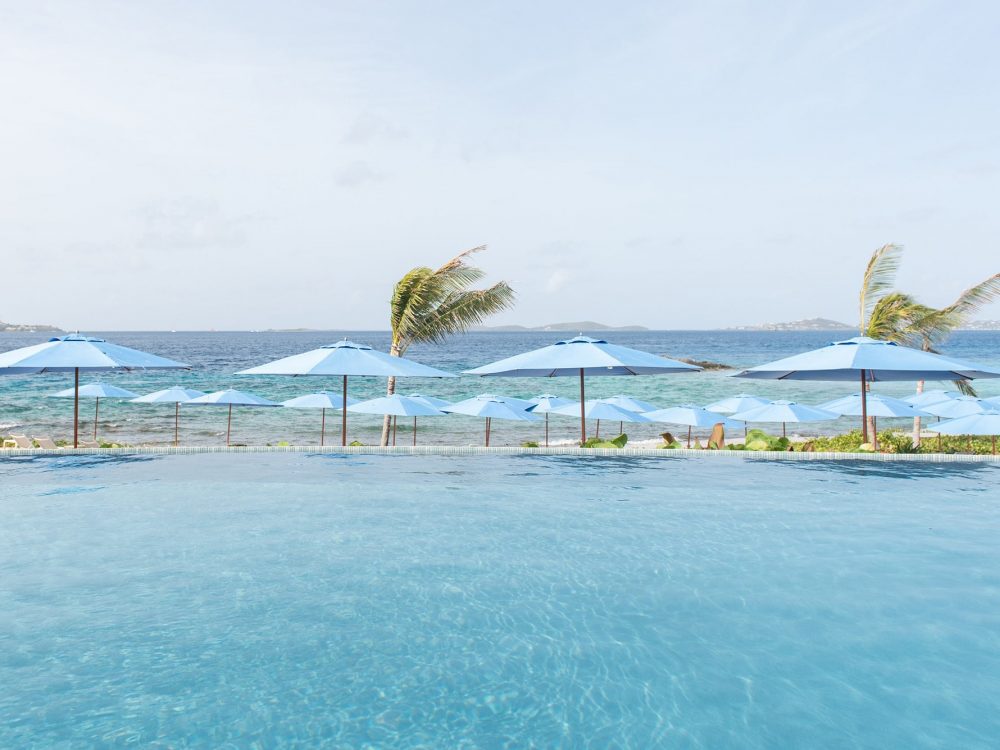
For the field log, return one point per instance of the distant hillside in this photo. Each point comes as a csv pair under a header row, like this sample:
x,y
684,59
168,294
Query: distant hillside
x,y
27,328
577,327
982,325
810,324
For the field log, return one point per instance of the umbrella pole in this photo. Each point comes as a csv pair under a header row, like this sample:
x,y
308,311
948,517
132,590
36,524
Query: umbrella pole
x,y
97,409
229,425
875,436
414,432
621,428
394,432
322,429
598,433
487,432
864,410
177,422
76,407
583,412
343,415
783,430
689,436
546,429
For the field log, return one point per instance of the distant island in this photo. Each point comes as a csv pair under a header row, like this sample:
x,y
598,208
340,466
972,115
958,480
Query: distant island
x,y
578,326
981,325
27,328
810,324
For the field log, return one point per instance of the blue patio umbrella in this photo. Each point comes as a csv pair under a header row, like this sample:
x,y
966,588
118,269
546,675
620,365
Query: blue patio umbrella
x,y
876,406
346,359
599,409
492,407
544,404
931,397
434,401
323,400
983,423
397,406
230,398
959,406
993,401
75,353
630,404
578,357
733,404
689,415
175,395
96,391
867,360
784,412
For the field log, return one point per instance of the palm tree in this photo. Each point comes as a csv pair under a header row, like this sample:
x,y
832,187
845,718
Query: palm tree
x,y
429,305
895,316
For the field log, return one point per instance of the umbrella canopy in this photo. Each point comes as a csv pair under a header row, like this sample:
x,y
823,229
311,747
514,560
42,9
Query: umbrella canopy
x,y
323,400
993,401
921,400
784,412
629,403
73,353
96,391
958,407
544,404
733,404
346,359
230,398
175,395
600,409
398,406
985,423
492,407
690,415
581,356
867,360
437,403
877,406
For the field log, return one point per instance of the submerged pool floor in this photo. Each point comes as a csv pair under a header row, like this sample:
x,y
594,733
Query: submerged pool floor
x,y
296,600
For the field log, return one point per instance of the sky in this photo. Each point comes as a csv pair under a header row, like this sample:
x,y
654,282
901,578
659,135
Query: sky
x,y
248,165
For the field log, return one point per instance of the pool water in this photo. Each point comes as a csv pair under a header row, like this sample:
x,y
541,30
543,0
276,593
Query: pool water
x,y
273,600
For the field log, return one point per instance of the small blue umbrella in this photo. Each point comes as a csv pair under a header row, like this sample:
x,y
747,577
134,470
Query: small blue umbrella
x,y
347,359
175,395
544,404
867,360
931,397
96,391
960,406
875,406
230,398
73,353
599,409
492,407
984,423
323,400
784,411
993,401
396,406
434,401
690,415
733,404
581,356
629,404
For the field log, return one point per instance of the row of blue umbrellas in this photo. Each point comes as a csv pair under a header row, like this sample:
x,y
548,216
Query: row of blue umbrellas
x,y
862,359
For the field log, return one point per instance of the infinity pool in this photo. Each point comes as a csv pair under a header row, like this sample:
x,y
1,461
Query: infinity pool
x,y
277,601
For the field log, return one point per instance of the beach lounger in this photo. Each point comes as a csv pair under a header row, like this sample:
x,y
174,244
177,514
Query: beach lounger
x,y
88,444
46,443
18,441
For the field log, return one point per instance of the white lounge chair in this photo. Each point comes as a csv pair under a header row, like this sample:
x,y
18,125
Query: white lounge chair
x,y
18,441
46,443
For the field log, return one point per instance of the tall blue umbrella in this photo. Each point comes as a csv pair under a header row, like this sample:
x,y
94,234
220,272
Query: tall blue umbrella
x,y
346,359
578,357
867,360
175,395
75,353
544,404
96,391
492,407
323,400
230,398
397,406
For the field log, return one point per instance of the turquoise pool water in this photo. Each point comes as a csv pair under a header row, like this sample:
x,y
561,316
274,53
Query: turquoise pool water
x,y
337,601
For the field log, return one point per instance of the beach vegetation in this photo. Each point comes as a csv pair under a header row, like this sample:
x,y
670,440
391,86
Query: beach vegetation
x,y
428,305
618,442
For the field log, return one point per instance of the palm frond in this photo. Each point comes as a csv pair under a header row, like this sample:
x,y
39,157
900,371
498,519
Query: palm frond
x,y
461,310
975,298
892,318
879,277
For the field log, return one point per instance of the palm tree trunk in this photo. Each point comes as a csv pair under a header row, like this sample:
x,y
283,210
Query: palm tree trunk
x,y
390,389
916,420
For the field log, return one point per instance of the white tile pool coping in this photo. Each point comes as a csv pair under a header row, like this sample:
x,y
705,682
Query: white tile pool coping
x,y
367,450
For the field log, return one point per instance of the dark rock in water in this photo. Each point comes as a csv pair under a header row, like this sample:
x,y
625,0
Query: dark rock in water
x,y
703,364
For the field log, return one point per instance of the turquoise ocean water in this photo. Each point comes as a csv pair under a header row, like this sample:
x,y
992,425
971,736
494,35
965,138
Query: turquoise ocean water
x,y
217,355
296,601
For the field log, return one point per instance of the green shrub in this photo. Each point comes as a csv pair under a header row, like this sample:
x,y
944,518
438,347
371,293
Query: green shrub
x,y
529,444
618,442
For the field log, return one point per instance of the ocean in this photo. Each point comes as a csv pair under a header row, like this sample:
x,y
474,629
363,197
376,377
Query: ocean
x,y
215,356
